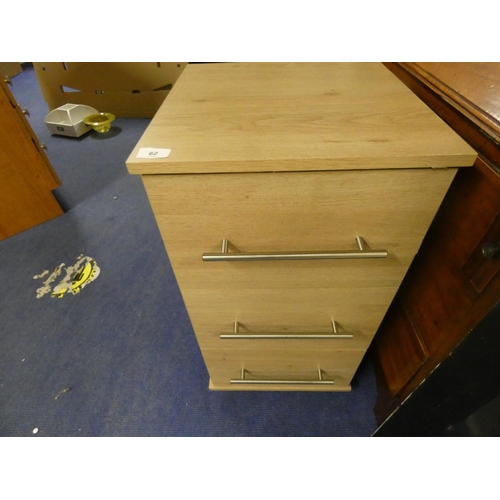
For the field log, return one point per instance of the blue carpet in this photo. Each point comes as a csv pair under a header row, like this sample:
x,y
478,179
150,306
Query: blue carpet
x,y
120,357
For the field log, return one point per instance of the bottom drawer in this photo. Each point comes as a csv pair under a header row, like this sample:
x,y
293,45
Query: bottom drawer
x,y
282,370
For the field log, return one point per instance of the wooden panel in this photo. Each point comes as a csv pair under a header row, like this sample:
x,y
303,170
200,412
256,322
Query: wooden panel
x,y
398,349
46,175
453,113
287,211
224,365
10,69
121,104
108,76
462,384
358,311
290,211
293,157
437,291
471,87
25,179
479,270
295,116
465,216
126,89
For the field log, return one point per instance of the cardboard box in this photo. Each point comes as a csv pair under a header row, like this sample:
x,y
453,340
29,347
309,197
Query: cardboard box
x,y
128,90
10,69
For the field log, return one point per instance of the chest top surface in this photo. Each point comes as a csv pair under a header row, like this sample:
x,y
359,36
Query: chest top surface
x,y
267,117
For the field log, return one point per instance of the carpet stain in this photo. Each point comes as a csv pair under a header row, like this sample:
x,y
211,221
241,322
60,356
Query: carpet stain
x,y
77,276
38,276
64,391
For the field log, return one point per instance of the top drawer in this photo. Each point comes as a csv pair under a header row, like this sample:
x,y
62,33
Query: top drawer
x,y
303,211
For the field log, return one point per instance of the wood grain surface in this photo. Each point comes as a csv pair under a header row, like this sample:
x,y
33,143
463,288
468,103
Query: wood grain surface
x,y
391,209
441,295
295,116
26,176
293,157
337,365
470,87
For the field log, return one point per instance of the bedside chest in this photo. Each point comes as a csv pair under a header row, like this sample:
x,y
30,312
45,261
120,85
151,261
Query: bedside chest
x,y
292,203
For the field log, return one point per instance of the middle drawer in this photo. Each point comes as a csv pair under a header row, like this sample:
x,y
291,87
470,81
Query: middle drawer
x,y
356,311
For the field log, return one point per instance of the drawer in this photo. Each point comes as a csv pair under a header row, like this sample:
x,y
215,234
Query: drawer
x,y
299,211
289,367
358,311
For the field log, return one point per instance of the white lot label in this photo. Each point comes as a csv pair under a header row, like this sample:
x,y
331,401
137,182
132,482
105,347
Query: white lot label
x,y
153,153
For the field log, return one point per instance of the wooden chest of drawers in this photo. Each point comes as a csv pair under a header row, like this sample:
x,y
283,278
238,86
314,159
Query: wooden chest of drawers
x,y
291,205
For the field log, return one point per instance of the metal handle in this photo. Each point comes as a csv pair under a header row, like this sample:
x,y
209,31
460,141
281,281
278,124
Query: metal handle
x,y
491,250
363,252
43,146
280,336
244,380
8,81
25,112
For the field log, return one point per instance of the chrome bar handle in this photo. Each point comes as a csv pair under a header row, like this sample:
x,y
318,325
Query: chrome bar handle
x,y
363,252
320,381
288,336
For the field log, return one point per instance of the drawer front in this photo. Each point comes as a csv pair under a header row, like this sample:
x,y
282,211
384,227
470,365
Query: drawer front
x,y
357,311
282,212
288,367
285,212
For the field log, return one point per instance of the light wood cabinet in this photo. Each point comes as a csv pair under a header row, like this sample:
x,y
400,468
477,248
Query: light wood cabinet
x,y
289,164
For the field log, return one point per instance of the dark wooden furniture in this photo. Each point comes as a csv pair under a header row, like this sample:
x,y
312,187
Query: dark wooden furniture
x,y
454,281
26,175
461,397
